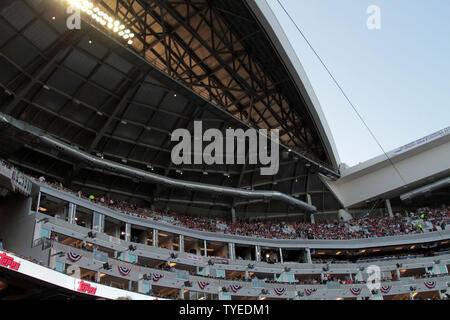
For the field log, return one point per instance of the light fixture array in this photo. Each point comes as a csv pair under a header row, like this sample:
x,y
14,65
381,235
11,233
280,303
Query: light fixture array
x,y
103,19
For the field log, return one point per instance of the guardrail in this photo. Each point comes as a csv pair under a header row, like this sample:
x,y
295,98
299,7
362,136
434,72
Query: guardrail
x,y
256,288
228,238
78,232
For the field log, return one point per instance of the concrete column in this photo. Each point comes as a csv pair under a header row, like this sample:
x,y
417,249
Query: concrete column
x,y
155,238
258,253
233,215
72,213
197,248
181,243
231,251
281,256
308,256
389,208
308,199
398,274
313,220
205,248
127,232
181,294
38,205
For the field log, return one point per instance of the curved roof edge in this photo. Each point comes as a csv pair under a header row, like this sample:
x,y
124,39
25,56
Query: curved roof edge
x,y
282,45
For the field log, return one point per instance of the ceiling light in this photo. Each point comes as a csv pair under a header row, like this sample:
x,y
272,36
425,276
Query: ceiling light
x,y
130,41
121,33
122,27
115,29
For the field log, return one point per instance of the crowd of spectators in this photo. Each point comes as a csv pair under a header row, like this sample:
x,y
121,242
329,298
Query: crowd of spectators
x,y
424,219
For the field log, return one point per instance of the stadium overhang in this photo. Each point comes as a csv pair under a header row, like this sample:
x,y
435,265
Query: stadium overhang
x,y
269,22
419,166
204,60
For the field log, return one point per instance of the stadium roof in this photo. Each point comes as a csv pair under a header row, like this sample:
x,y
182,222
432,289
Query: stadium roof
x,y
218,61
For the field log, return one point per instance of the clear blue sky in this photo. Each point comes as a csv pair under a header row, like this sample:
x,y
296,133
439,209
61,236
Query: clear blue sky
x,y
398,77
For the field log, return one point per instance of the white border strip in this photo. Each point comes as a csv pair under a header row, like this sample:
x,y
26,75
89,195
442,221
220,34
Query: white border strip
x,y
14,263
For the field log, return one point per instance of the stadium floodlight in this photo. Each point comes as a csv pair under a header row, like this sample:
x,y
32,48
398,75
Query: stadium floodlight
x,y
102,18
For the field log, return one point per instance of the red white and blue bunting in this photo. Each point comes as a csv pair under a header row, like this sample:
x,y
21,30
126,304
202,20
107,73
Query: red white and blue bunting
x,y
430,284
235,288
279,291
355,291
156,277
385,289
74,257
203,284
124,271
310,291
